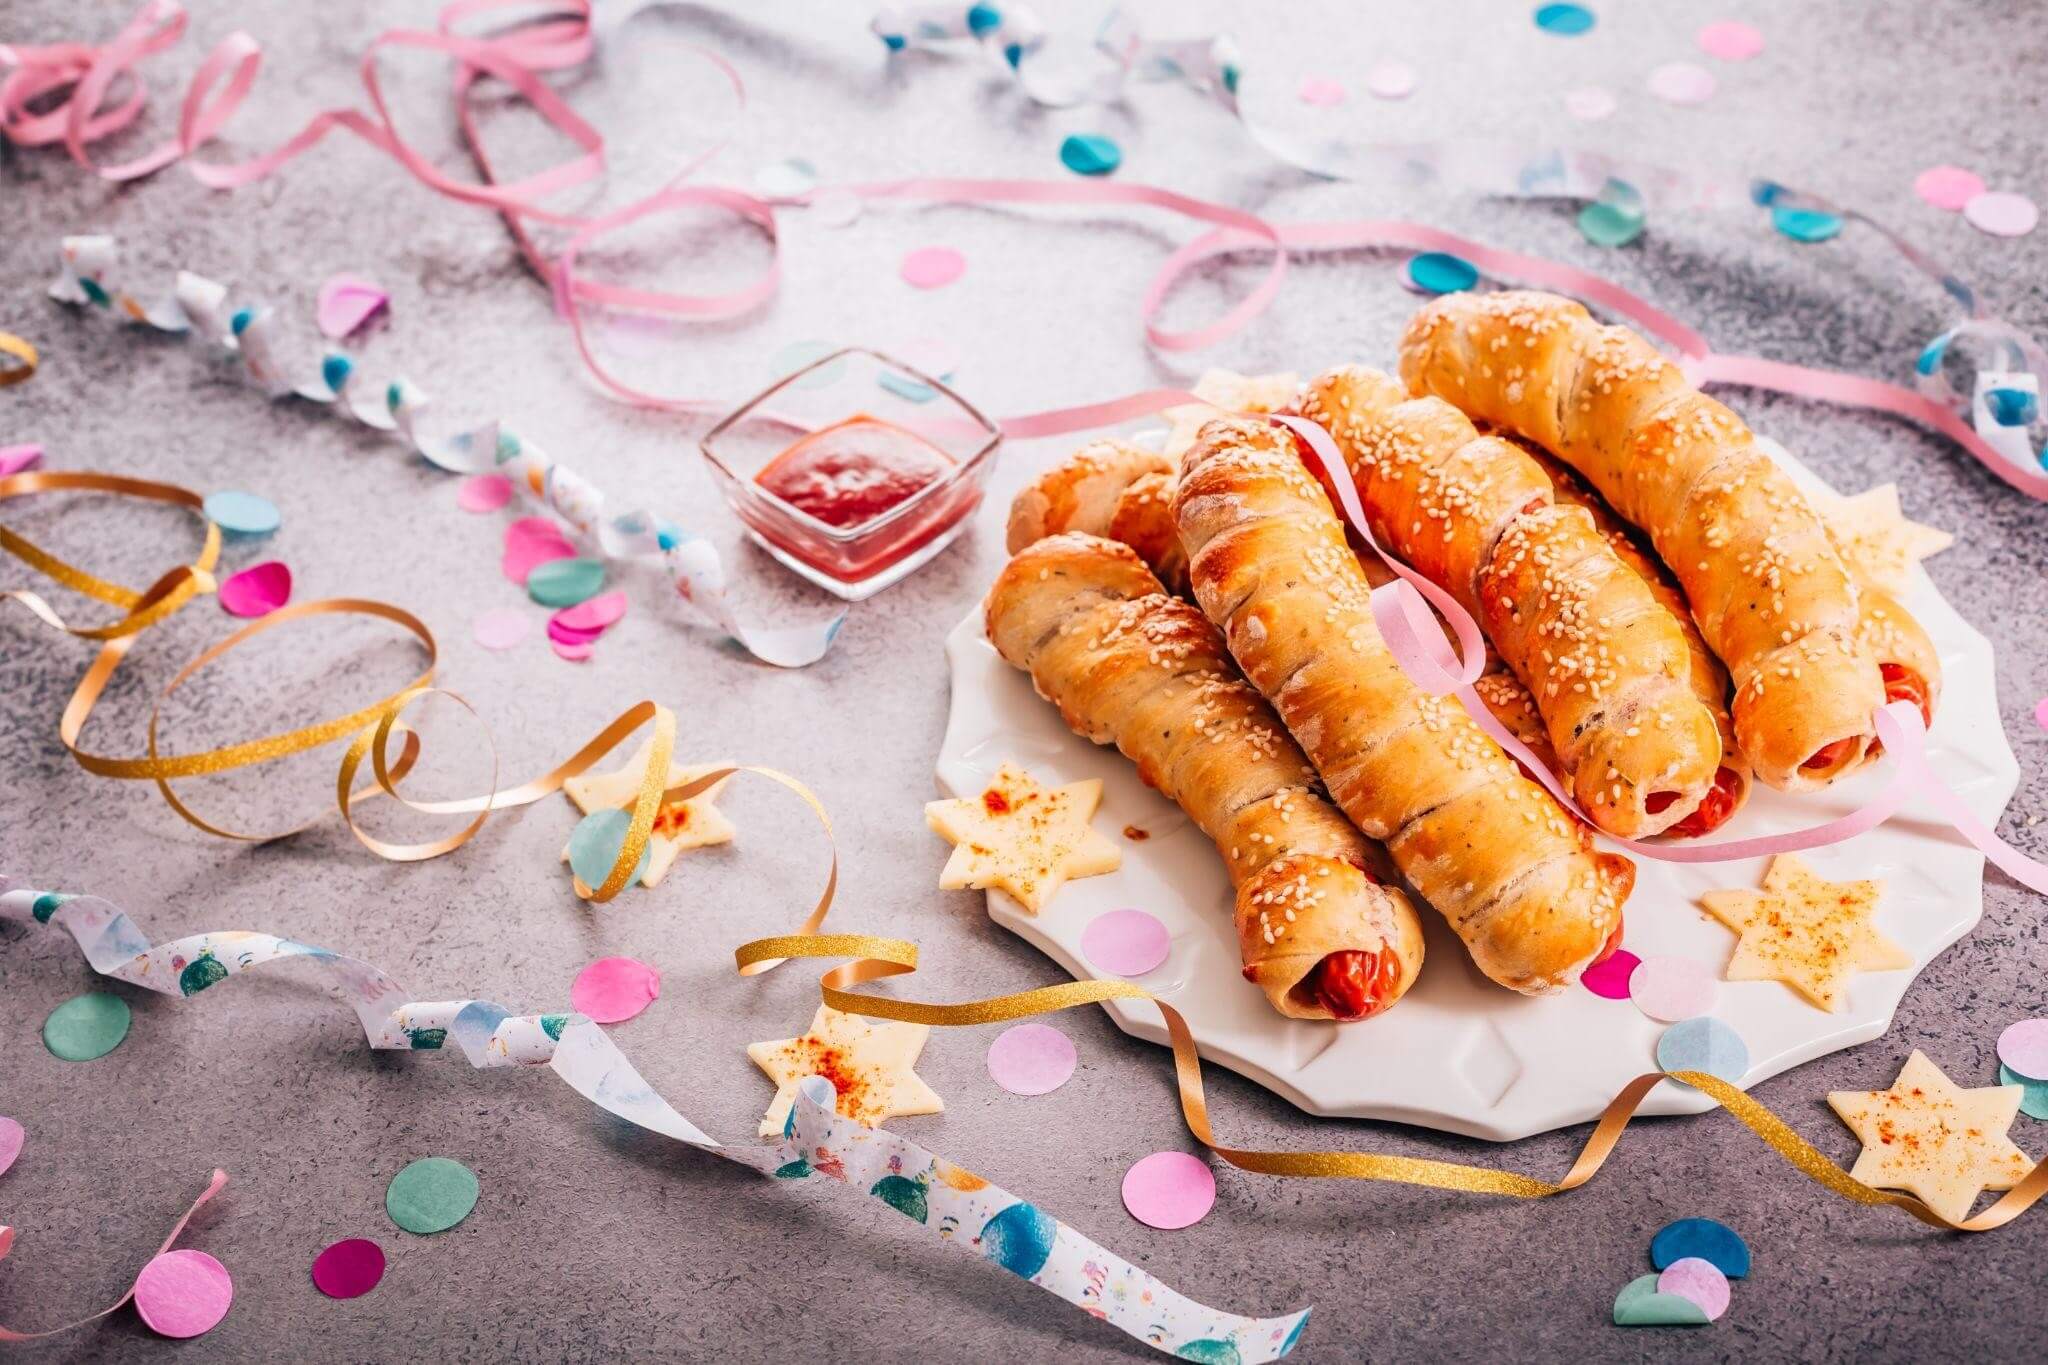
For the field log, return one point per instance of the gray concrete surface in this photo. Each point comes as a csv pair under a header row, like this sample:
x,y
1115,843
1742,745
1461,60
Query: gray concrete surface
x,y
593,1243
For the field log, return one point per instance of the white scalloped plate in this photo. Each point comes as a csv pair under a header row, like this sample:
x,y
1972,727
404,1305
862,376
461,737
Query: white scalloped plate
x,y
1459,1053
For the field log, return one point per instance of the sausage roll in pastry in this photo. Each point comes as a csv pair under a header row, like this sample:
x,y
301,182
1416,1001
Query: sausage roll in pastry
x,y
1770,593
1320,931
1106,488
1517,878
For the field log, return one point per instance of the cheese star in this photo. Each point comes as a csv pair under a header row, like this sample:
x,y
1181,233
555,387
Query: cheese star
x,y
689,823
1223,391
1022,838
1876,540
1935,1141
869,1061
1805,931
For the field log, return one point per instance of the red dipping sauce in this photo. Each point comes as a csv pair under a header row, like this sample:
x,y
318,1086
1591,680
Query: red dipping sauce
x,y
853,471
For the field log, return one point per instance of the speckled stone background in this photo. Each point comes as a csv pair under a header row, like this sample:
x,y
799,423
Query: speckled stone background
x,y
593,1242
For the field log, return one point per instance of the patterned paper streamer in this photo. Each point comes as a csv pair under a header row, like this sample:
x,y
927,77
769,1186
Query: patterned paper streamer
x,y
961,1208
199,308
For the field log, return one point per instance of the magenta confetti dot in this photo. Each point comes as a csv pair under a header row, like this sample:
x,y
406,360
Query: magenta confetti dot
x,y
1682,83
1609,979
183,1293
1125,942
1031,1059
349,1269
1730,40
1169,1190
1321,91
2041,713
15,458
1672,988
1589,104
597,614
2002,214
502,628
257,590
612,990
2023,1047
1696,1280
12,1135
483,493
933,267
531,542
1948,187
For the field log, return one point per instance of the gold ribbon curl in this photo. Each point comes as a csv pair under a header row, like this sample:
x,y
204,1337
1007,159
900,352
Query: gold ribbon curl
x,y
21,359
872,959
370,730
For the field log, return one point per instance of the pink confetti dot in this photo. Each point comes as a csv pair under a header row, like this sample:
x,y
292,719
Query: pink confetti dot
x,y
483,493
183,1293
2002,214
2023,1047
933,267
345,303
1169,1190
573,651
1948,187
12,1135
502,628
612,990
1609,979
1321,91
1589,104
1731,40
1031,1059
348,1269
1125,942
1391,81
596,614
1696,1280
257,590
15,458
1672,988
2041,713
1682,83
531,542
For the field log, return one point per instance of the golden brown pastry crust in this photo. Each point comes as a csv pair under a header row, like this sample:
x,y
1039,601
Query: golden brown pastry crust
x,y
1080,493
1129,665
1515,876
1601,656
1770,593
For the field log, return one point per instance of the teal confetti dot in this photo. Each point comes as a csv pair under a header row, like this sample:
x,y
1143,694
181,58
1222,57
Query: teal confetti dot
x,y
2011,407
1704,1238
1439,272
1930,356
984,19
239,323
431,1195
1609,224
1090,154
1805,225
98,295
1704,1044
553,1024
907,1197
427,1039
799,1169
508,445
1640,1305
46,905
201,972
906,388
1566,21
1014,54
565,582
86,1027
893,41
1211,1351
1019,1239
595,843
242,514
2034,1104
335,370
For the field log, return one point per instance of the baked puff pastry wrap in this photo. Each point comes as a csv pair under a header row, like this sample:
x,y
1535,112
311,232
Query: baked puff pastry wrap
x,y
1602,657
1770,593
1517,878
1106,488
1320,930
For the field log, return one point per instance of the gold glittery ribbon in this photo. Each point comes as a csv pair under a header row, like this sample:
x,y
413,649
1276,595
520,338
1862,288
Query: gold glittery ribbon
x,y
872,959
18,359
370,730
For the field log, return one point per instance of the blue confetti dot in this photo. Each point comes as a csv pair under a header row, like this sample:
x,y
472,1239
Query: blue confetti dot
x,y
666,539
335,370
2011,407
1805,225
239,323
1930,357
1704,1044
1567,21
893,41
1439,272
983,19
1013,54
1764,193
242,514
1090,154
595,843
1704,1238
1019,1239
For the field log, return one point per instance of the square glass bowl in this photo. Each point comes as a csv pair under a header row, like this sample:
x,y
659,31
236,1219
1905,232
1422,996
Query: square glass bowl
x,y
854,470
